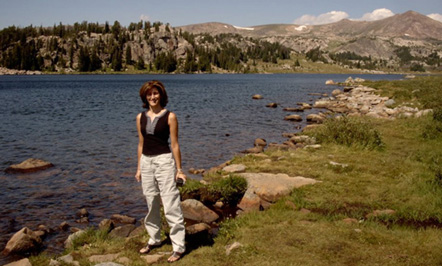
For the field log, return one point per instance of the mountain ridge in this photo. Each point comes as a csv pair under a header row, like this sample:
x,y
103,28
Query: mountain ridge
x,y
410,24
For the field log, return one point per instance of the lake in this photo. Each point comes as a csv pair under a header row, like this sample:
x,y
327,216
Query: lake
x,y
85,126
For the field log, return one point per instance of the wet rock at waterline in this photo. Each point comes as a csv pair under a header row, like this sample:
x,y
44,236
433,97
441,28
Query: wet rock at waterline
x,y
29,166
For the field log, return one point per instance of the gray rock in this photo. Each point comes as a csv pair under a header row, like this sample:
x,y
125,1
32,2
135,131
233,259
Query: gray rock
x,y
151,259
235,168
103,258
390,103
69,260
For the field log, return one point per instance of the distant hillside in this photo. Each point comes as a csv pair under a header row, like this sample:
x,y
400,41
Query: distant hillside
x,y
410,24
404,42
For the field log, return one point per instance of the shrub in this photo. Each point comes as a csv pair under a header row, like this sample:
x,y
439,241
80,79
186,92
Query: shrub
x,y
231,189
433,129
349,131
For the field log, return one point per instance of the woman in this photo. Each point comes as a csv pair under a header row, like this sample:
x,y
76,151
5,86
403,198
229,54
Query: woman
x,y
156,168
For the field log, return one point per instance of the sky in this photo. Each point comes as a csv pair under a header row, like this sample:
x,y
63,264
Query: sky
x,y
242,13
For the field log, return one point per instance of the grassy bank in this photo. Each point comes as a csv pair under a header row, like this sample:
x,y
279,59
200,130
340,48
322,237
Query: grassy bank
x,y
400,171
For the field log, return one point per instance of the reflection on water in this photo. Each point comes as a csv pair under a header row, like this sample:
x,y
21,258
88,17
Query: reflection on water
x,y
85,126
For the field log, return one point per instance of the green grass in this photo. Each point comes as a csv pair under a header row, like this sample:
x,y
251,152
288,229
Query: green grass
x,y
405,176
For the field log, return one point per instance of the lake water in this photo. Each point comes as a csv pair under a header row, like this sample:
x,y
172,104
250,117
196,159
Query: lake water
x,y
85,125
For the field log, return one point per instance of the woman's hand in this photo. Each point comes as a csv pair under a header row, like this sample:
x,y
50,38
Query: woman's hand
x,y
138,176
181,175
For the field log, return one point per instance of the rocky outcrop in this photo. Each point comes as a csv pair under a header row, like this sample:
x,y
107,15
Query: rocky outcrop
x,y
7,71
362,100
29,166
265,188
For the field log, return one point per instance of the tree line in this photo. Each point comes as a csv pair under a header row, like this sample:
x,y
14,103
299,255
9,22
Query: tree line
x,y
94,46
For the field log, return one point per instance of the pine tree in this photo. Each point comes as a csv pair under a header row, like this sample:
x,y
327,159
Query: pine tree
x,y
128,55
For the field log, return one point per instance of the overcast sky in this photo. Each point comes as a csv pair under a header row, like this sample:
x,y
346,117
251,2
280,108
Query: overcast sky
x,y
184,12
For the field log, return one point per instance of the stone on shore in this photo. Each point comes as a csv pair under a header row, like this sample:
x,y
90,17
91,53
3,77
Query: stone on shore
x,y
271,187
22,262
122,231
23,241
196,211
260,142
234,168
124,219
68,242
315,118
197,228
28,166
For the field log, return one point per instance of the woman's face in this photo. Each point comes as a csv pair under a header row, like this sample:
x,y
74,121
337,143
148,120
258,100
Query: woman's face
x,y
153,97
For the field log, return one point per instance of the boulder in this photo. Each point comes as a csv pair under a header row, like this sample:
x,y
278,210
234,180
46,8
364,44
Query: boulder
x,y
305,105
197,228
235,168
82,213
196,211
336,92
71,237
194,171
294,109
250,201
330,82
315,118
293,118
22,262
257,97
390,103
260,142
256,149
321,104
272,105
69,260
122,231
106,225
23,241
303,139
28,166
271,187
124,219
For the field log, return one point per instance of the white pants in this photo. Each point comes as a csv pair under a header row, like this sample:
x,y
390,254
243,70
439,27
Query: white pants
x,y
158,180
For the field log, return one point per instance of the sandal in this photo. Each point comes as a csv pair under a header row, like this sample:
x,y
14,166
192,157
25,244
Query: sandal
x,y
148,248
175,257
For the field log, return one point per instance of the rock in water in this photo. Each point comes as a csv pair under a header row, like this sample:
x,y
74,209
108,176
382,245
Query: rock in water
x,y
29,166
23,241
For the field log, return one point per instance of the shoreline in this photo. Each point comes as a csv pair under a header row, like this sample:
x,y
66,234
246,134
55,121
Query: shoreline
x,y
15,72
